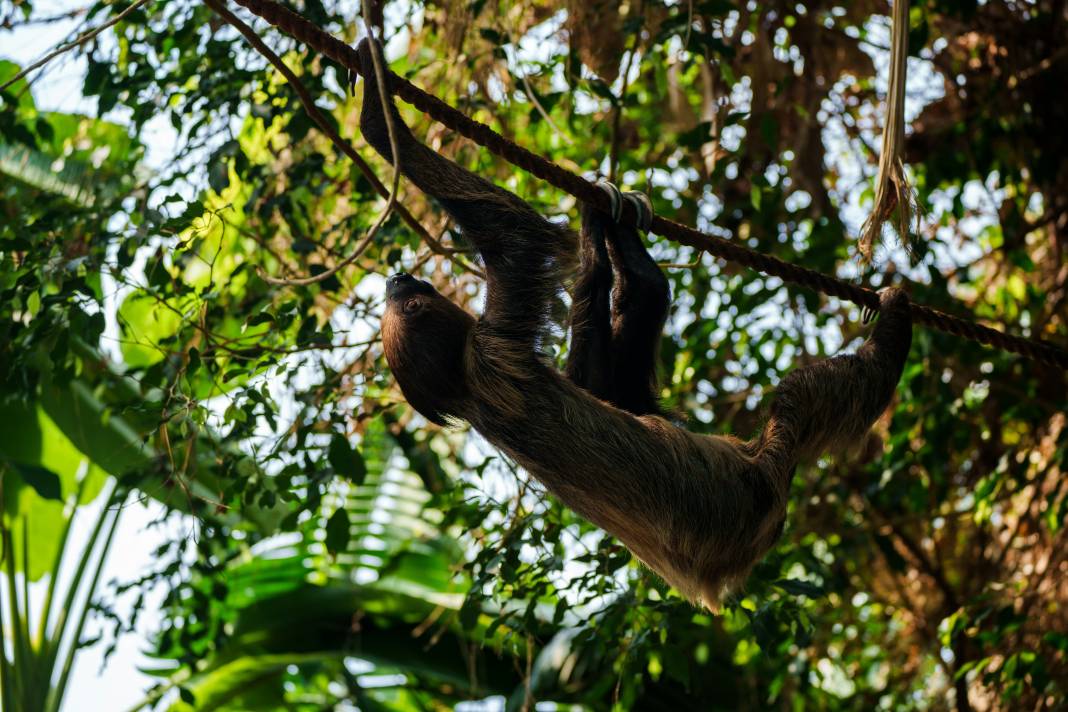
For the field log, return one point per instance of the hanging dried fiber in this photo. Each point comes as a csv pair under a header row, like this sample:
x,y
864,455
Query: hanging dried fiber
x,y
894,201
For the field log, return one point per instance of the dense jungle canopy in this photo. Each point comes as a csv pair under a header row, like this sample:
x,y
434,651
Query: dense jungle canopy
x,y
319,546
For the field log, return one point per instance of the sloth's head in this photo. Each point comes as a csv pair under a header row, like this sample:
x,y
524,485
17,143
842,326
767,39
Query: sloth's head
x,y
424,336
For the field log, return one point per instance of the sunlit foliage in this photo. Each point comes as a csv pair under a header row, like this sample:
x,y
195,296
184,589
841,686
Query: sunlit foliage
x,y
346,552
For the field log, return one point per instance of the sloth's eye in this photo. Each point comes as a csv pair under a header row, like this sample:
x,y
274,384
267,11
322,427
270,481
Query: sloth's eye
x,y
411,306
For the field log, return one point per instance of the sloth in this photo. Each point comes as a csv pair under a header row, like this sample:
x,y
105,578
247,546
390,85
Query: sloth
x,y
699,510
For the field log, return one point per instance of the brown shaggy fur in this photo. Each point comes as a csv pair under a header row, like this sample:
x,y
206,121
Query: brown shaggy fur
x,y
699,510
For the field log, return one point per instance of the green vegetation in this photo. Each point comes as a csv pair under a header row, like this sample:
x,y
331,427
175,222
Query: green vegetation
x,y
346,554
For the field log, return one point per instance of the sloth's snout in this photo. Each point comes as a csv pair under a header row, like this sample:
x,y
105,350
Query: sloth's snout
x,y
397,281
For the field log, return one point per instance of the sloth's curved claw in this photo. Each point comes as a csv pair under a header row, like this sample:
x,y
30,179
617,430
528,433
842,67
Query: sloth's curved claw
x,y
890,298
643,207
615,198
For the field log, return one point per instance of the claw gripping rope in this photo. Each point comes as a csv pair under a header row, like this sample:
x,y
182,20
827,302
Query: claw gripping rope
x,y
328,45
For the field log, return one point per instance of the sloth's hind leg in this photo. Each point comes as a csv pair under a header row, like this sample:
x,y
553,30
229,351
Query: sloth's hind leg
x,y
831,404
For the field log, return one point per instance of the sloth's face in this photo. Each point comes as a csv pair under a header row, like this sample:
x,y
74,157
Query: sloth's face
x,y
408,295
424,337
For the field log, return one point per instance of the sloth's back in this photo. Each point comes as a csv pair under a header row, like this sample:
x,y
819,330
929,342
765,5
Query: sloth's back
x,y
699,510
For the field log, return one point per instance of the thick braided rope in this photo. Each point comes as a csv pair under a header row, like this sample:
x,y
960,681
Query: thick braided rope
x,y
303,30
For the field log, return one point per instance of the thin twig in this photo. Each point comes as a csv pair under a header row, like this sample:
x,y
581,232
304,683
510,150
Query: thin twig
x,y
689,25
1042,66
331,133
390,202
9,24
313,112
81,39
577,186
529,91
683,265
617,118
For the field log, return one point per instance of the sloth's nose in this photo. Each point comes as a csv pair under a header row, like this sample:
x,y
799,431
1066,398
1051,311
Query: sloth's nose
x,y
397,280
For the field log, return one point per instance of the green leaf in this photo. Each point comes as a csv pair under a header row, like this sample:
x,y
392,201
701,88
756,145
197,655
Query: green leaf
x,y
145,323
44,481
219,166
187,696
194,361
338,531
470,612
800,588
601,89
346,460
43,451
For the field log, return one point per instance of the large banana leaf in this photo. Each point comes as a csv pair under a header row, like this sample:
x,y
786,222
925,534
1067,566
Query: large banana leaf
x,y
388,599
59,444
70,179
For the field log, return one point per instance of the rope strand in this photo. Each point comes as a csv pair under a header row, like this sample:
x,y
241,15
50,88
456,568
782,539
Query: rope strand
x,y
321,41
